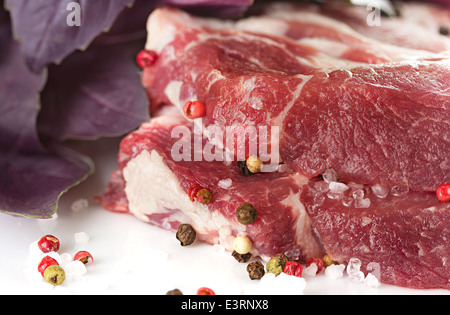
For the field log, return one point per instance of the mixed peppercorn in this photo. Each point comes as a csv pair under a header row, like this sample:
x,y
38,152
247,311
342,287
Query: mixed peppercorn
x,y
146,58
199,194
49,267
443,192
186,234
246,214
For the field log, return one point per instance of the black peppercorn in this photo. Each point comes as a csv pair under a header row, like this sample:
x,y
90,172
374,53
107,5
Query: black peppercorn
x,y
443,30
255,270
241,257
246,213
186,234
174,292
242,165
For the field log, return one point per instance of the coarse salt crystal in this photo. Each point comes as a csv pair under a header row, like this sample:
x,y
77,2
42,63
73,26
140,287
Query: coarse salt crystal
x,y
357,276
375,269
75,268
337,187
335,271
353,266
225,183
321,186
358,194
65,259
329,175
311,270
380,191
362,203
371,281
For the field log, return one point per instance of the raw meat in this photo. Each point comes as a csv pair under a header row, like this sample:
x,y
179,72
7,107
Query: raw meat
x,y
156,189
382,113
376,114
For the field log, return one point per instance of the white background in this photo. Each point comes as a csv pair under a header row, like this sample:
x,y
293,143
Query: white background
x,y
132,257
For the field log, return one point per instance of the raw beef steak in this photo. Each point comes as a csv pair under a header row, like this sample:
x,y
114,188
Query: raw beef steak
x,y
156,189
364,138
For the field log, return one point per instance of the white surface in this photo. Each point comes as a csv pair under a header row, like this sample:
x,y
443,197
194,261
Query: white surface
x,y
132,257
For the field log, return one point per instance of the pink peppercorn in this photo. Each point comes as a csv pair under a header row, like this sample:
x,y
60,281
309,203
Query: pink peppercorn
x,y
49,243
146,58
293,268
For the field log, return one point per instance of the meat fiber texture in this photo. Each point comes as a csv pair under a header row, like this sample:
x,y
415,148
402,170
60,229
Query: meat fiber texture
x,y
364,136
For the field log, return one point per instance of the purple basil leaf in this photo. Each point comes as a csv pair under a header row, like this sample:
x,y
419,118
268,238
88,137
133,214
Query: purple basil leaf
x,y
42,28
32,177
93,94
19,95
31,184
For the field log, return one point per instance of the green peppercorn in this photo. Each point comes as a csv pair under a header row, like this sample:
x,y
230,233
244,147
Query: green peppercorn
x,y
241,257
246,213
276,264
186,234
327,261
204,196
255,270
54,274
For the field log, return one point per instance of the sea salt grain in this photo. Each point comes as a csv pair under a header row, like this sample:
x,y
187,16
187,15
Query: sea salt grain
x,y
311,270
371,281
336,190
353,266
65,259
358,194
362,203
375,269
335,271
380,191
321,186
225,183
353,270
75,268
329,176
357,276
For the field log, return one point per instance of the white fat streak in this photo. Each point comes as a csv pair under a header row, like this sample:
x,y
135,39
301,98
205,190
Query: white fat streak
x,y
151,187
303,233
256,24
173,91
278,121
160,31
288,12
248,86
